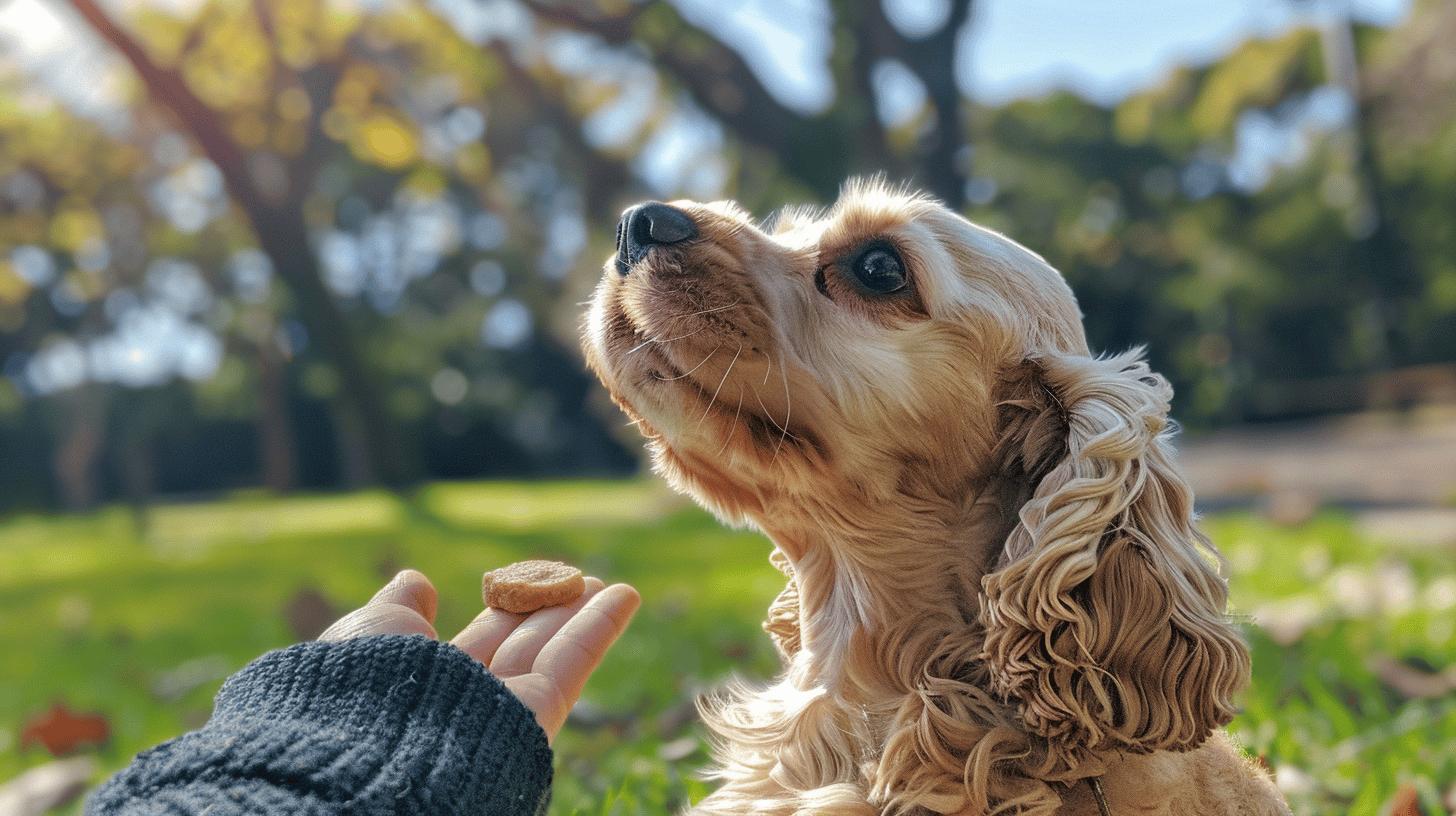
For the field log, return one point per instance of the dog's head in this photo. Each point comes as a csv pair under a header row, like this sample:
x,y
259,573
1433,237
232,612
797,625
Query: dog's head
x,y
887,354
818,354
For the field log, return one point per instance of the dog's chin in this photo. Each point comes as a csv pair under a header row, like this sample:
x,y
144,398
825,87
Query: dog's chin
x,y
670,395
708,392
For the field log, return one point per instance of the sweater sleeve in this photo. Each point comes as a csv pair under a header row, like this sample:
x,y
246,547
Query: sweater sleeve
x,y
377,725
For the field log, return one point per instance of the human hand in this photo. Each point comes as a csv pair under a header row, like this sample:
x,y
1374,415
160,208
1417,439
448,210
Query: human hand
x,y
544,658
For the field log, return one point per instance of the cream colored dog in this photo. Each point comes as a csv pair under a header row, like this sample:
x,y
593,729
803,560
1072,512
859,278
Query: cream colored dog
x,y
997,599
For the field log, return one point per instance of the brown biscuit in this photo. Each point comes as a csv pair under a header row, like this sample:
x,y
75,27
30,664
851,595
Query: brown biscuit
x,y
526,586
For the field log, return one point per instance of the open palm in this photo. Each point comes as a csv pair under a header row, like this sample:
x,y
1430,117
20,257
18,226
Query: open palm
x,y
544,658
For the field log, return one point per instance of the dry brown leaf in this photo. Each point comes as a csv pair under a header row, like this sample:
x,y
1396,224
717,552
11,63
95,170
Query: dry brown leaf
x,y
63,731
1407,802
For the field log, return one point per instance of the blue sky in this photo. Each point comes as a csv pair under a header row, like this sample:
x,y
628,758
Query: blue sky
x,y
1106,49
1103,48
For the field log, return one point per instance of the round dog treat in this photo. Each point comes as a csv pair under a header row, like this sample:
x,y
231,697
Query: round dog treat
x,y
526,586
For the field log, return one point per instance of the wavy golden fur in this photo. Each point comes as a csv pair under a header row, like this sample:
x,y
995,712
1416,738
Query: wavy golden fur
x,y
995,587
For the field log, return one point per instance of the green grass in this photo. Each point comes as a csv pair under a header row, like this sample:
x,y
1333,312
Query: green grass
x,y
95,614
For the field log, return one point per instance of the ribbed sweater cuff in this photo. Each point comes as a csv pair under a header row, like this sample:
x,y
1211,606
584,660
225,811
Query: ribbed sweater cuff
x,y
387,724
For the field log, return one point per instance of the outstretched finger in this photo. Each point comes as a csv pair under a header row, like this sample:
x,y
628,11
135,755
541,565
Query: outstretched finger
x,y
483,636
412,590
519,650
379,619
575,652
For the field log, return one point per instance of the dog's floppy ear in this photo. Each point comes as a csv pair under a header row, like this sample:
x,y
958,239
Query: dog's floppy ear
x,y
1105,614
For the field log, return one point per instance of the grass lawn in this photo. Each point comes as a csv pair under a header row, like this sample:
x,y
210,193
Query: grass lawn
x,y
142,627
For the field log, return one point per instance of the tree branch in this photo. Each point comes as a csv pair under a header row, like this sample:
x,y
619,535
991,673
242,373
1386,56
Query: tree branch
x,y
718,77
605,177
616,29
932,60
719,80
281,234
264,17
167,86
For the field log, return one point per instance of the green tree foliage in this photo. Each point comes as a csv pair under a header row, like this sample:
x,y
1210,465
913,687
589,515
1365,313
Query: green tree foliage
x,y
314,243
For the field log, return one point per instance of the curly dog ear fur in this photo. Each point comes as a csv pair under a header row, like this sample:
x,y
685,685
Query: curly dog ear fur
x,y
1105,625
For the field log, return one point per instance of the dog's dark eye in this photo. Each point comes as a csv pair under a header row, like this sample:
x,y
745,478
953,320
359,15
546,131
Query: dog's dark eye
x,y
880,271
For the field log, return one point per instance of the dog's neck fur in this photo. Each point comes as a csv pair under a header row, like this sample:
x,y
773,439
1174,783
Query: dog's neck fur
x,y
897,580
862,580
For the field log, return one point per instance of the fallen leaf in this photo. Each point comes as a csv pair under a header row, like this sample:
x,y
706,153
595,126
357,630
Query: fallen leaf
x,y
46,787
1412,681
309,613
178,681
678,749
63,731
1407,802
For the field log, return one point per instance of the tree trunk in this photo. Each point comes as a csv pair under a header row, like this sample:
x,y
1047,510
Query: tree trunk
x,y
275,432
945,167
139,479
367,431
1391,275
78,450
279,227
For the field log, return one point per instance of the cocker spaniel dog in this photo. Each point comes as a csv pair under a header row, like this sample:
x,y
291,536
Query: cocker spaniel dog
x,y
997,600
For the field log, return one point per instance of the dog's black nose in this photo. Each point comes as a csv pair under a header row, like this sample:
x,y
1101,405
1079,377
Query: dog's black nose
x,y
648,225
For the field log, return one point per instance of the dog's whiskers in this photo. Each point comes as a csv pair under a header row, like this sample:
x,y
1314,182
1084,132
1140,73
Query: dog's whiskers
x,y
734,426
694,368
686,316
706,311
714,399
775,423
788,412
649,341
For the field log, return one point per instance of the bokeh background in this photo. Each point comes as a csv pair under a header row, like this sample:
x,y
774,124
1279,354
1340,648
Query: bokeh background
x,y
289,293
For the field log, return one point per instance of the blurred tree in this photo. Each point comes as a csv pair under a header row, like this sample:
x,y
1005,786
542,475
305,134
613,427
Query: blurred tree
x,y
1241,217
422,176
818,148
1407,114
271,186
386,167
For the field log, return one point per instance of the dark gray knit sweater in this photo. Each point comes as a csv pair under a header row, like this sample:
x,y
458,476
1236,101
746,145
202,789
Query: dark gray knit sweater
x,y
375,725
